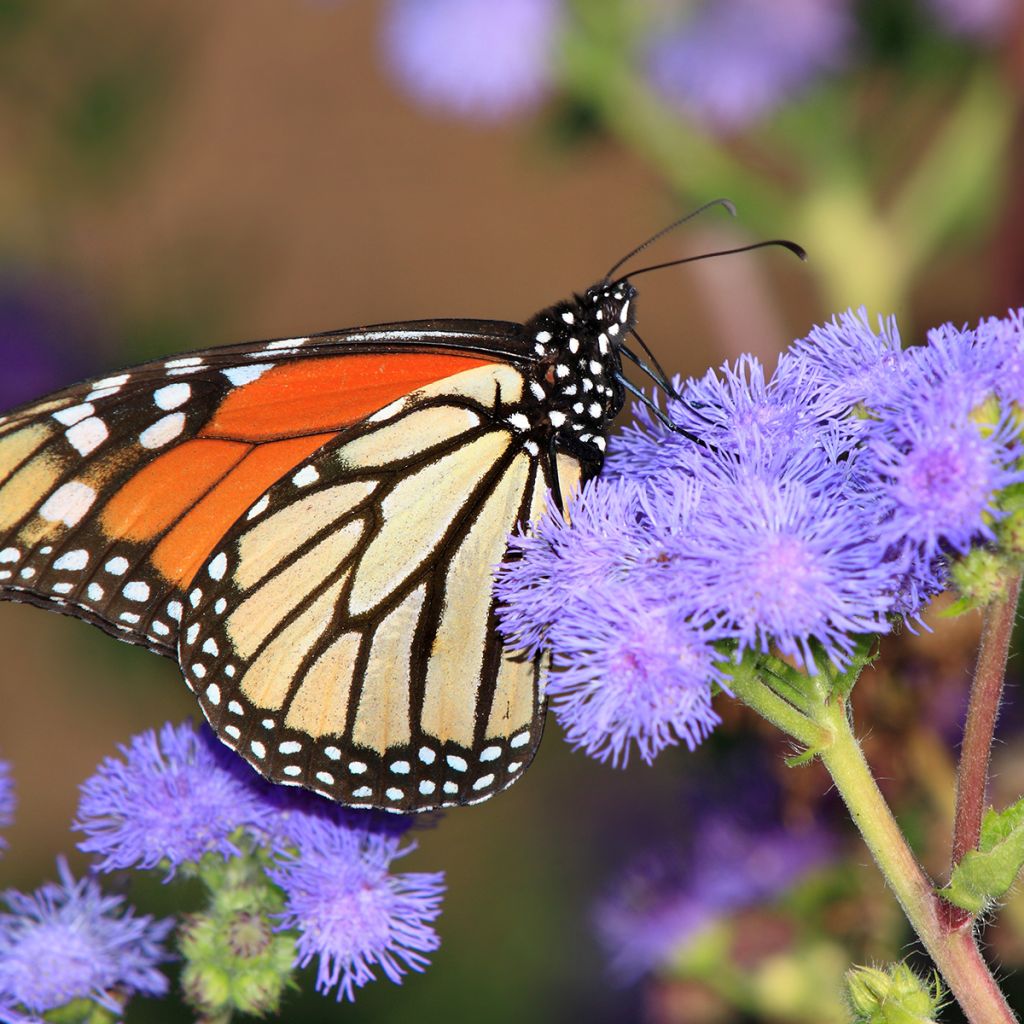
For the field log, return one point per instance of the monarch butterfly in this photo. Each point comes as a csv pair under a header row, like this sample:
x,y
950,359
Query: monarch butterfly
x,y
309,527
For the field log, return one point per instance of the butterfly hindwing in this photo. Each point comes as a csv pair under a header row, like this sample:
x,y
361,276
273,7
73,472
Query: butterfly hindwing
x,y
343,635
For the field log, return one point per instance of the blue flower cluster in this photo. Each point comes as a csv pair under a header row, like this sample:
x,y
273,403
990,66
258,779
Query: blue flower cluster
x,y
69,941
176,798
823,504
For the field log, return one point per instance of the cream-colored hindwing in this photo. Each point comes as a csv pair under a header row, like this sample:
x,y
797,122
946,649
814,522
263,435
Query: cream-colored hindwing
x,y
350,642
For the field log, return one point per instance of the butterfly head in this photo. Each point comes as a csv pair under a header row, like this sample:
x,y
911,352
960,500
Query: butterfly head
x,y
576,379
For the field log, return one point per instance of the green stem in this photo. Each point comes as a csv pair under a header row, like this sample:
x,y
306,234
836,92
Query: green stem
x,y
747,684
951,947
986,693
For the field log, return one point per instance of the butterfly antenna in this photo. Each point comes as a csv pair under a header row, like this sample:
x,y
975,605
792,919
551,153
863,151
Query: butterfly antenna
x,y
657,412
664,231
657,377
664,382
797,250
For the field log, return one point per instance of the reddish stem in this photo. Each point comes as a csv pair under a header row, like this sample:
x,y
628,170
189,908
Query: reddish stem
x,y
986,693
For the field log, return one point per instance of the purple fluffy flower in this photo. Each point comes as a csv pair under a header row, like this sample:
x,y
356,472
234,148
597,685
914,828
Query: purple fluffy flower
x,y
941,470
735,61
630,673
554,565
846,362
7,799
482,60
351,912
1001,343
169,800
69,941
790,556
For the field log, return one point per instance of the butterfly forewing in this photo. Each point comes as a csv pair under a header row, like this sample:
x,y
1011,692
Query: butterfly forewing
x,y
343,636
114,492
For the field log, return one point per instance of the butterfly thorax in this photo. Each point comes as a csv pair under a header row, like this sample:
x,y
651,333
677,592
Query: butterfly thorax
x,y
574,389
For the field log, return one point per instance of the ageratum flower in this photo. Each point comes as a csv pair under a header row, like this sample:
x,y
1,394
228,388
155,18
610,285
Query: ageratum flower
x,y
482,60
170,799
735,61
633,673
791,557
1001,342
68,941
846,362
352,913
553,565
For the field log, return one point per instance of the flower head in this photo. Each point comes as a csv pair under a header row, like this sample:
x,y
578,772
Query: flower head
x,y
352,913
1001,343
69,941
170,799
736,60
791,555
632,673
482,60
846,362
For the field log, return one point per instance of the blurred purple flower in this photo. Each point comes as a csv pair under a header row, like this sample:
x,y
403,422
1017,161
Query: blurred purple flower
x,y
351,912
734,856
69,941
7,799
734,61
170,800
44,341
982,19
481,60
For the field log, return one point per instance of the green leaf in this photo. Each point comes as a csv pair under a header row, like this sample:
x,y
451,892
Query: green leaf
x,y
986,874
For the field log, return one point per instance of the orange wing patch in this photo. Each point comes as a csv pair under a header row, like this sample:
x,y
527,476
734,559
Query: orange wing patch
x,y
181,553
317,395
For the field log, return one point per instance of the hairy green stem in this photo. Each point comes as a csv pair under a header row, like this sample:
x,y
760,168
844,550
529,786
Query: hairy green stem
x,y
951,946
986,693
749,686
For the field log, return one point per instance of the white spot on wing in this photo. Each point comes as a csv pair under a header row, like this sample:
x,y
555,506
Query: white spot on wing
x,y
163,431
172,396
88,435
68,504
136,591
72,561
74,414
305,476
218,567
240,375
117,566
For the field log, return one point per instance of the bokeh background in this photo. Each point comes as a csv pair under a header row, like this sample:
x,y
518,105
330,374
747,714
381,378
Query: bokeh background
x,y
179,175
